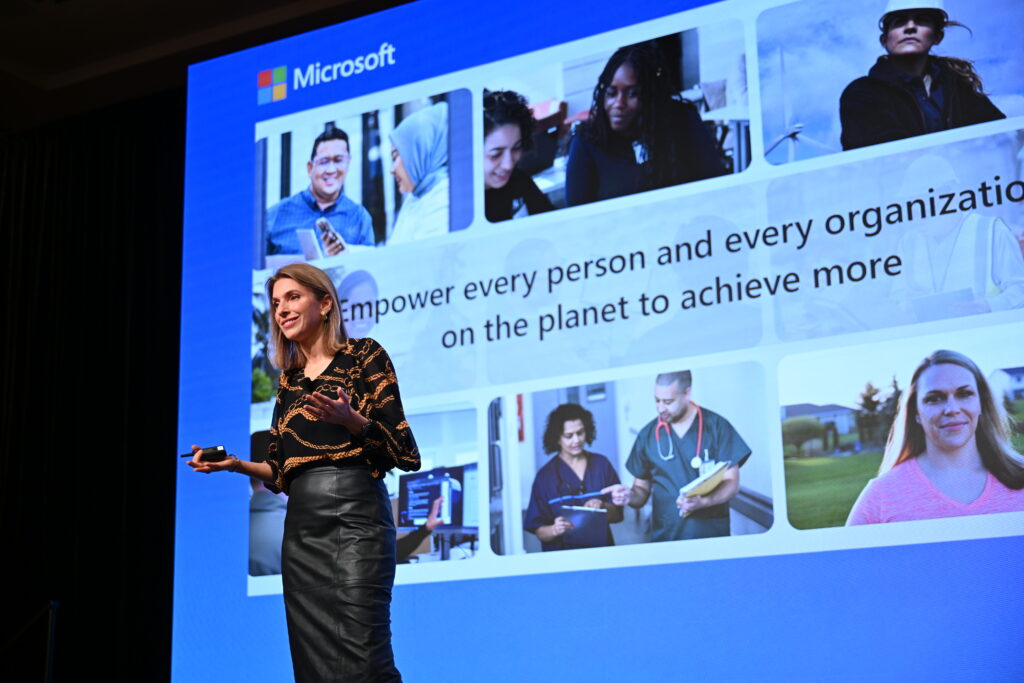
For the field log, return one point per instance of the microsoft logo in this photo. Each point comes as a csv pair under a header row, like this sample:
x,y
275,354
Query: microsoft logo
x,y
272,85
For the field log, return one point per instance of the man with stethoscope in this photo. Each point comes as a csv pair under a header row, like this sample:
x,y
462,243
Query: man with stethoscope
x,y
669,452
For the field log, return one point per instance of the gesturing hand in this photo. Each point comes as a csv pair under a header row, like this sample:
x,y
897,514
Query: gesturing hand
x,y
434,518
619,493
336,411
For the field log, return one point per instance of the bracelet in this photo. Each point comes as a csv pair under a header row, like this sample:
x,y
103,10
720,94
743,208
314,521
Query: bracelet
x,y
235,466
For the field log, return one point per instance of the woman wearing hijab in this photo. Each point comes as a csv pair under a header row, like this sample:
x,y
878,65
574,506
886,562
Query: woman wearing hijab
x,y
419,155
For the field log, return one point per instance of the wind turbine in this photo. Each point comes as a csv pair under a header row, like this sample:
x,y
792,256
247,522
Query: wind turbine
x,y
792,132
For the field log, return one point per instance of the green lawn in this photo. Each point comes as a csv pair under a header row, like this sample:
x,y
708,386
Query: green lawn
x,y
821,491
1018,415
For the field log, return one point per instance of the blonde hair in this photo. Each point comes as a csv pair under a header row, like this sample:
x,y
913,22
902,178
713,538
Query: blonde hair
x,y
907,440
286,354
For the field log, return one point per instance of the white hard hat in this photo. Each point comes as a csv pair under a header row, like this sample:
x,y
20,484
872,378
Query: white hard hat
x,y
905,5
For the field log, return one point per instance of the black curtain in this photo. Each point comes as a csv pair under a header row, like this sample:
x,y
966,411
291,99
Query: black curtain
x,y
91,212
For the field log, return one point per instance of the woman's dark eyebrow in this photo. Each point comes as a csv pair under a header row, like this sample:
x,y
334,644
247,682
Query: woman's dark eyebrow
x,y
943,391
275,299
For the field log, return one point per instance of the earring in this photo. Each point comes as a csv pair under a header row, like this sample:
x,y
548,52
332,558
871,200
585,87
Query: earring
x,y
323,316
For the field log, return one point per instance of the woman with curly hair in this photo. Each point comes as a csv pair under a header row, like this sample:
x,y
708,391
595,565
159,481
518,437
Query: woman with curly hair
x,y
909,91
566,478
508,132
949,452
640,135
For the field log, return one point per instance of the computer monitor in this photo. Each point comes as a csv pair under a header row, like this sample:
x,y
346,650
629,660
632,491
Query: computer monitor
x,y
457,486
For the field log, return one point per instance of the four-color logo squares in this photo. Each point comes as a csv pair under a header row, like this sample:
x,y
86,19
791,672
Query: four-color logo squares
x,y
272,85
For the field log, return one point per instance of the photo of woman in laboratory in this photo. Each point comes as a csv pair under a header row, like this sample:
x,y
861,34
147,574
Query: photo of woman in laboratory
x,y
508,133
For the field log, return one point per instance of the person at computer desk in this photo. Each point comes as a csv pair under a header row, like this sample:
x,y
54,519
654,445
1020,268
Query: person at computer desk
x,y
572,472
350,222
407,544
668,454
508,132
639,136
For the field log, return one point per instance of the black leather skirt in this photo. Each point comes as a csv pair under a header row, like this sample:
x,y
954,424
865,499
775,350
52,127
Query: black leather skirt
x,y
338,567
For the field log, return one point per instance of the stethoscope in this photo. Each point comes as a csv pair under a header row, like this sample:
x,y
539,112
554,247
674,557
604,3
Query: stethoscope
x,y
696,461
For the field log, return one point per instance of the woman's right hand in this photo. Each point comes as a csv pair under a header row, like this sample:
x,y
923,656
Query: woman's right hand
x,y
560,526
229,464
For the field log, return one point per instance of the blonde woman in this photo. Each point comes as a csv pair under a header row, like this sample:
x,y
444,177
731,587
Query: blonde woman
x,y
338,426
948,453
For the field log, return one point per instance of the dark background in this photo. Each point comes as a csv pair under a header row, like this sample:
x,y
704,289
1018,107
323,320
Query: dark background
x,y
92,139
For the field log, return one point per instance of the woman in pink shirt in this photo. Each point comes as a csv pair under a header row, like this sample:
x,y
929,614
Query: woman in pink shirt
x,y
949,453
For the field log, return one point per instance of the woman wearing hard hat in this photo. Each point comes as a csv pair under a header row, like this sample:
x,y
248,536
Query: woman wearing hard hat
x,y
909,91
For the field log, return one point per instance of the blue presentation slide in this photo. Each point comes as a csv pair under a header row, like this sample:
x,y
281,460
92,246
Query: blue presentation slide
x,y
708,320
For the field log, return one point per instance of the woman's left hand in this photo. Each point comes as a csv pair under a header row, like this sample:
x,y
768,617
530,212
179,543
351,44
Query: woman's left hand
x,y
594,503
336,411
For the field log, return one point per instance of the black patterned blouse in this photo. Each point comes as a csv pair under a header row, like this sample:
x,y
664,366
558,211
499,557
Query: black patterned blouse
x,y
362,368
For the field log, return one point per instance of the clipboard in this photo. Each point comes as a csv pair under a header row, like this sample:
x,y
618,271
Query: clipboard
x,y
590,525
705,483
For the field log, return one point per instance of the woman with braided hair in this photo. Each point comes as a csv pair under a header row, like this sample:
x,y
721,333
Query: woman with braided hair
x,y
909,91
640,135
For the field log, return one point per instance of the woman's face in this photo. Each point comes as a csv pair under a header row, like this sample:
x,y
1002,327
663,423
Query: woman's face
x,y
948,406
622,100
405,184
911,34
297,311
502,150
574,435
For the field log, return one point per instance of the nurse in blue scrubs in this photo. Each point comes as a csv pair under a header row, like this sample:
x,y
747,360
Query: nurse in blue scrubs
x,y
667,455
573,471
